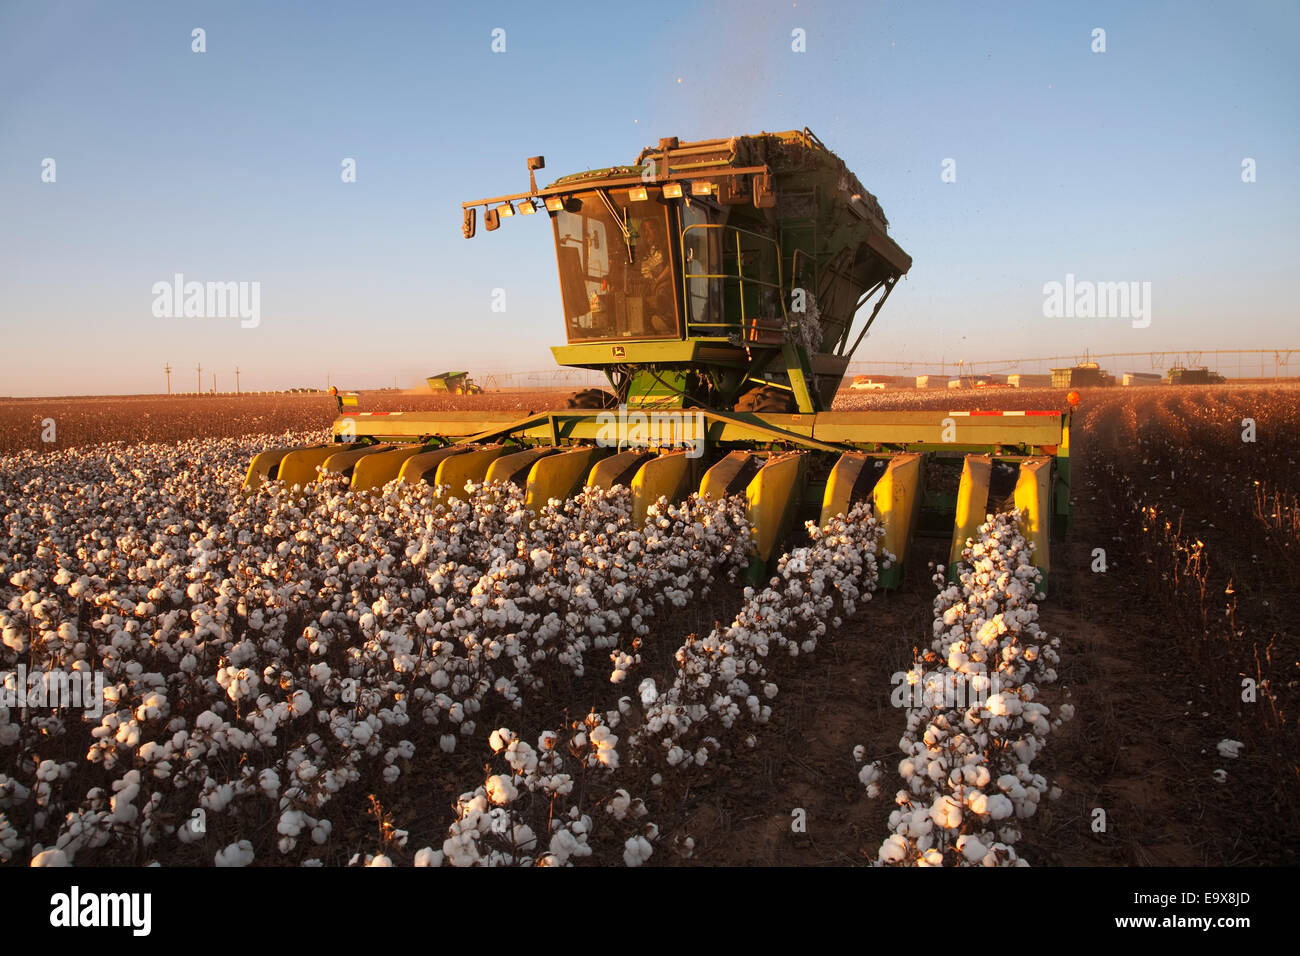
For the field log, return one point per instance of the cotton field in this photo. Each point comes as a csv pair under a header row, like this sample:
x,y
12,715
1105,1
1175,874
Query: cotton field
x,y
271,662
193,675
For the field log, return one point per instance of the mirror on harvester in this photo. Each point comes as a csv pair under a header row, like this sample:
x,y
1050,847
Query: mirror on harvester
x,y
491,219
467,227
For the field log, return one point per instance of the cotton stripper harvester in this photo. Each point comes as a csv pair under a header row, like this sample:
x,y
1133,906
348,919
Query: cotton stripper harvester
x,y
717,286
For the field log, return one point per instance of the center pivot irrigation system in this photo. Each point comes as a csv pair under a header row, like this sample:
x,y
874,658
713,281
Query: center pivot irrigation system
x,y
717,284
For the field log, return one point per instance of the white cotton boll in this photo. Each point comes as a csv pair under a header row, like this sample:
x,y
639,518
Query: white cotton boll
x,y
1000,806
1230,748
428,857
51,858
972,849
269,782
500,790
1220,776
893,850
379,860
946,813
619,804
447,742
648,692
636,851
236,854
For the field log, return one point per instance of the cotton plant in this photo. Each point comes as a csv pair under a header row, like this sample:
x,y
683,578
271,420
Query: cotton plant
x,y
264,654
542,806
969,746
726,679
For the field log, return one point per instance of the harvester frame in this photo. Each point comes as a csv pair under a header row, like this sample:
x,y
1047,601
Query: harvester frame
x,y
653,261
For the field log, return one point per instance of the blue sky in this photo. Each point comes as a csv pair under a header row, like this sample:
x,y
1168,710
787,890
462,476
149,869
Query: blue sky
x,y
225,166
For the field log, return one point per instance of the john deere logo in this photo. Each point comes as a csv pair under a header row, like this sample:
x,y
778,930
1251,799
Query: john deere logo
x,y
618,351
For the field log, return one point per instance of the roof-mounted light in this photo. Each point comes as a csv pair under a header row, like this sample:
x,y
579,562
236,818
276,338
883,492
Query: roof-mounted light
x,y
554,203
506,209
699,188
638,194
673,191
527,208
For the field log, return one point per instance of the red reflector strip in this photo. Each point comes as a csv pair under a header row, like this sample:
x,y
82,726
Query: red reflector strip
x,y
1005,413
381,413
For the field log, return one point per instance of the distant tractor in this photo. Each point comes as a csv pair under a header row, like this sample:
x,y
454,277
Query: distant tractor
x,y
457,383
1194,376
1084,375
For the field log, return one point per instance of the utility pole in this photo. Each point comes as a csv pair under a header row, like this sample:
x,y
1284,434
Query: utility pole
x,y
199,368
214,383
236,379
168,369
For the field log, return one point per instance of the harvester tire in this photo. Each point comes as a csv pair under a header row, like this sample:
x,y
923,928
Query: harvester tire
x,y
592,398
765,398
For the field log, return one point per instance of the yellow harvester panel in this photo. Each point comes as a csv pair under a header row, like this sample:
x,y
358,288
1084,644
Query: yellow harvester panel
x,y
377,470
666,476
617,469
972,503
516,466
424,466
300,467
259,470
472,464
773,498
343,461
560,476
896,497
718,480
1034,497
838,499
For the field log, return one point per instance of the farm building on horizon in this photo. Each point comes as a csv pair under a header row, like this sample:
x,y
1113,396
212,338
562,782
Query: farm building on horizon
x,y
1142,378
1021,380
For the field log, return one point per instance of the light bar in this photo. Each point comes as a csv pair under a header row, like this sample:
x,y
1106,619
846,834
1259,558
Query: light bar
x,y
638,194
673,191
